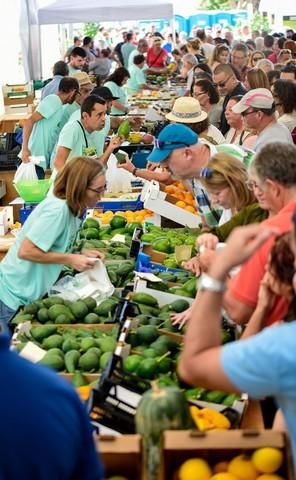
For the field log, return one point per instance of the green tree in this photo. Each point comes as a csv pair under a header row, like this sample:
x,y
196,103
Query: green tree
x,y
260,22
90,29
218,4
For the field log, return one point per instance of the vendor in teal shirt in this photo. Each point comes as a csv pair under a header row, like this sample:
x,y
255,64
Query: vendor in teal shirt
x,y
34,262
81,136
42,128
115,83
137,81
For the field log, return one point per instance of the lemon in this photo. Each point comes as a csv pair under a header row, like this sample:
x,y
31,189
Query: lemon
x,y
224,476
267,459
195,468
271,476
243,468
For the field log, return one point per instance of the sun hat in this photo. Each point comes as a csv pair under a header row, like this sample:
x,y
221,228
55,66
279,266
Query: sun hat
x,y
186,110
256,98
104,92
83,78
172,137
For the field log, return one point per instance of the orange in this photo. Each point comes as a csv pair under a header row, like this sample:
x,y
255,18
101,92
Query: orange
x,y
181,204
267,459
190,208
220,467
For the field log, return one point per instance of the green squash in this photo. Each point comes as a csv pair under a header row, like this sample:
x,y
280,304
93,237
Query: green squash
x,y
160,409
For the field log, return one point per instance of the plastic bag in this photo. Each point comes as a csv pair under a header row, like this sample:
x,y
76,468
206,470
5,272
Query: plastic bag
x,y
118,179
93,283
26,171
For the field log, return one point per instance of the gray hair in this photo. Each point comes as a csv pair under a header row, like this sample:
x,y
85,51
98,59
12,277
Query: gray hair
x,y
189,58
264,62
276,161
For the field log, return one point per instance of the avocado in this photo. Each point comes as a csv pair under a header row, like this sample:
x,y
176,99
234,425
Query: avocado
x,y
144,299
106,308
53,341
79,309
89,361
178,306
31,308
147,334
86,343
90,303
53,360
131,363
55,310
107,344
70,344
42,315
105,359
90,222
40,333
54,300
147,368
90,233
79,380
63,319
71,360
214,396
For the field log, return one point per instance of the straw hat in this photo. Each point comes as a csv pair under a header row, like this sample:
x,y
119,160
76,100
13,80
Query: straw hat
x,y
83,78
186,110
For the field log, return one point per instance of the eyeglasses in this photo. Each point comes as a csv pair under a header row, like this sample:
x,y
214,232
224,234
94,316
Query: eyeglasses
x,y
246,113
97,190
196,95
286,50
222,84
161,144
256,59
85,90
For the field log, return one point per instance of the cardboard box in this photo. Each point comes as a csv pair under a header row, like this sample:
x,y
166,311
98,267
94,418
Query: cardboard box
x,y
121,455
215,447
156,199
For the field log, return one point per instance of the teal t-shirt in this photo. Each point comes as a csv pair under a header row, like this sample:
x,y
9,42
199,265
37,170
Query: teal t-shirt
x,y
51,227
72,137
68,111
126,50
45,132
117,92
137,78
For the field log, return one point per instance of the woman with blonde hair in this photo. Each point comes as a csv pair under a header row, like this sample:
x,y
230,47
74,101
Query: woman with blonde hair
x,y
254,57
194,46
256,78
221,54
44,245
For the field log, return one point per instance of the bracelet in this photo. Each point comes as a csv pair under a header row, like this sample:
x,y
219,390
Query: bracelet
x,y
211,284
134,171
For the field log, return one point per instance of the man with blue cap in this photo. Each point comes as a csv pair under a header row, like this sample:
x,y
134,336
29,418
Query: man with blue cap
x,y
178,149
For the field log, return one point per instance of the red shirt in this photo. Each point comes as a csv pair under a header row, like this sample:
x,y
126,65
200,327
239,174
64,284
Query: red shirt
x,y
244,287
156,60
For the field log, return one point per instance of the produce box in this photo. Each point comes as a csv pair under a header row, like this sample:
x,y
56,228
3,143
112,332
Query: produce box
x,y
163,297
156,199
115,205
149,259
121,455
216,447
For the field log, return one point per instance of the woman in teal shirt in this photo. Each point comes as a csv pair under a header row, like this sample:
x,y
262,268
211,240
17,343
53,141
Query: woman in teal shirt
x,y
115,83
34,262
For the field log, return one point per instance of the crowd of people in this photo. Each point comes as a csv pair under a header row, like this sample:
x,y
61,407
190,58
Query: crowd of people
x,y
230,138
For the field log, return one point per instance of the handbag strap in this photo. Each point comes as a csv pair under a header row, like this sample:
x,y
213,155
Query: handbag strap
x,y
82,128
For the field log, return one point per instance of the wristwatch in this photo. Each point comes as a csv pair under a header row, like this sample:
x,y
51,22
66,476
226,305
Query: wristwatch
x,y
208,283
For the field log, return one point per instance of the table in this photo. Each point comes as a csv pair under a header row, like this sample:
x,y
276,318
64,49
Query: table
x,y
12,116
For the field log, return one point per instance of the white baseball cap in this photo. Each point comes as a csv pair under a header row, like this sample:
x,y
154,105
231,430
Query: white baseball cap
x,y
257,98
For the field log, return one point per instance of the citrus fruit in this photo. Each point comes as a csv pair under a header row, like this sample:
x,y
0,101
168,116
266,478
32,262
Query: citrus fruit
x,y
269,476
180,204
267,460
195,468
243,468
224,476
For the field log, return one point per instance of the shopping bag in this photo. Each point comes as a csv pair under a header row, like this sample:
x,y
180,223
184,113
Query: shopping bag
x,y
26,171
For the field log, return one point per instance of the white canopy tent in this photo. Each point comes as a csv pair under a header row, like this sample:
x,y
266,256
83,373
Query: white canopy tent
x,y
43,12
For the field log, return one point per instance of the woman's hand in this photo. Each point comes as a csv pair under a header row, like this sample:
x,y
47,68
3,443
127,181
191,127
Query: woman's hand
x,y
81,262
207,240
181,318
128,165
266,297
93,253
193,265
135,122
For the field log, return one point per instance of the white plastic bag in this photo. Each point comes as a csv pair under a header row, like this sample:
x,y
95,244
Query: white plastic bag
x,y
26,171
118,180
91,283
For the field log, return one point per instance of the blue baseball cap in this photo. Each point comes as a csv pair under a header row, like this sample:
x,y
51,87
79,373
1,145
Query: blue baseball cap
x,y
170,138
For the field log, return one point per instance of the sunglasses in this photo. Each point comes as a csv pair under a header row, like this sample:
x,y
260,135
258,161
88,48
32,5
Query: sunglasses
x,y
161,144
222,84
256,59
